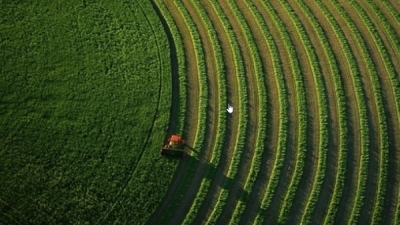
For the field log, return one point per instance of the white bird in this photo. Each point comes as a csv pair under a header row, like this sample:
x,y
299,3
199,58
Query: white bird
x,y
229,109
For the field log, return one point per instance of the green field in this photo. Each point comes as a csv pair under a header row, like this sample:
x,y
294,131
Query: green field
x,y
84,106
89,91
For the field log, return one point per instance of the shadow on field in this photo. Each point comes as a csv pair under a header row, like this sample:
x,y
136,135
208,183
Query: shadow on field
x,y
225,182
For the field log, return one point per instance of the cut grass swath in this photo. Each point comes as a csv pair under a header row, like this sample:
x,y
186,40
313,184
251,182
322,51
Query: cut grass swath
x,y
300,93
384,148
203,97
381,115
242,110
205,184
340,96
262,113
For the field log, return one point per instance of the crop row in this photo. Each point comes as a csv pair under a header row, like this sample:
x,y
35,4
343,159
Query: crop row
x,y
363,171
362,117
395,81
300,92
392,11
323,109
302,114
388,62
381,116
385,23
182,70
322,114
341,101
383,167
243,102
205,184
391,71
262,112
283,104
203,98
282,138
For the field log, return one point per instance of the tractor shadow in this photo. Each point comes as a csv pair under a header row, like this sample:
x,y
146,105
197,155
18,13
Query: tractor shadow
x,y
191,148
216,176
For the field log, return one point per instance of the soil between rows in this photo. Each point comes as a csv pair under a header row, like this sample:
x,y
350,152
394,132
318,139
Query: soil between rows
x,y
292,125
252,121
233,120
312,157
388,103
211,121
192,102
273,108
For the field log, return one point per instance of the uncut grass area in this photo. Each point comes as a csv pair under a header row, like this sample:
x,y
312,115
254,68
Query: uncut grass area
x,y
84,106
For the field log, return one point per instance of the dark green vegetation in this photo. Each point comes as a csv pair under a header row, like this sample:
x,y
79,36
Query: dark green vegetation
x,y
85,95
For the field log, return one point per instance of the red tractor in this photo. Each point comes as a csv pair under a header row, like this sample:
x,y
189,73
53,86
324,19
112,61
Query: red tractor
x,y
174,147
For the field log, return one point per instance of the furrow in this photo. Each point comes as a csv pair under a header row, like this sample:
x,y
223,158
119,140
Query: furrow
x,y
255,133
276,116
211,121
296,145
196,104
232,71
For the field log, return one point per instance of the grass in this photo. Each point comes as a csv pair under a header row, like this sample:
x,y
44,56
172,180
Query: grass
x,y
79,104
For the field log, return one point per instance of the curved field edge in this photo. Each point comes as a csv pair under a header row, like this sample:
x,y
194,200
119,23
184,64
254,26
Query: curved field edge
x,y
193,40
98,104
371,108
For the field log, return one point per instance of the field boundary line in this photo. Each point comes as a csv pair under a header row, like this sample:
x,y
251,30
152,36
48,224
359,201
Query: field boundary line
x,y
175,37
152,124
200,135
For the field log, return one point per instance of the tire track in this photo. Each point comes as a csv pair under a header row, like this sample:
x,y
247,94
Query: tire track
x,y
152,124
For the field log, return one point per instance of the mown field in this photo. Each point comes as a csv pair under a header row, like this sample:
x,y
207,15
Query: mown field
x,y
89,91
314,136
85,96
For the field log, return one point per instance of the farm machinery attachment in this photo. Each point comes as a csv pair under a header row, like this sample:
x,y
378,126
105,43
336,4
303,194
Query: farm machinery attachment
x,y
174,147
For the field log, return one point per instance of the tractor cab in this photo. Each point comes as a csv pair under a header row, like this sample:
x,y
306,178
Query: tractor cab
x,y
174,147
